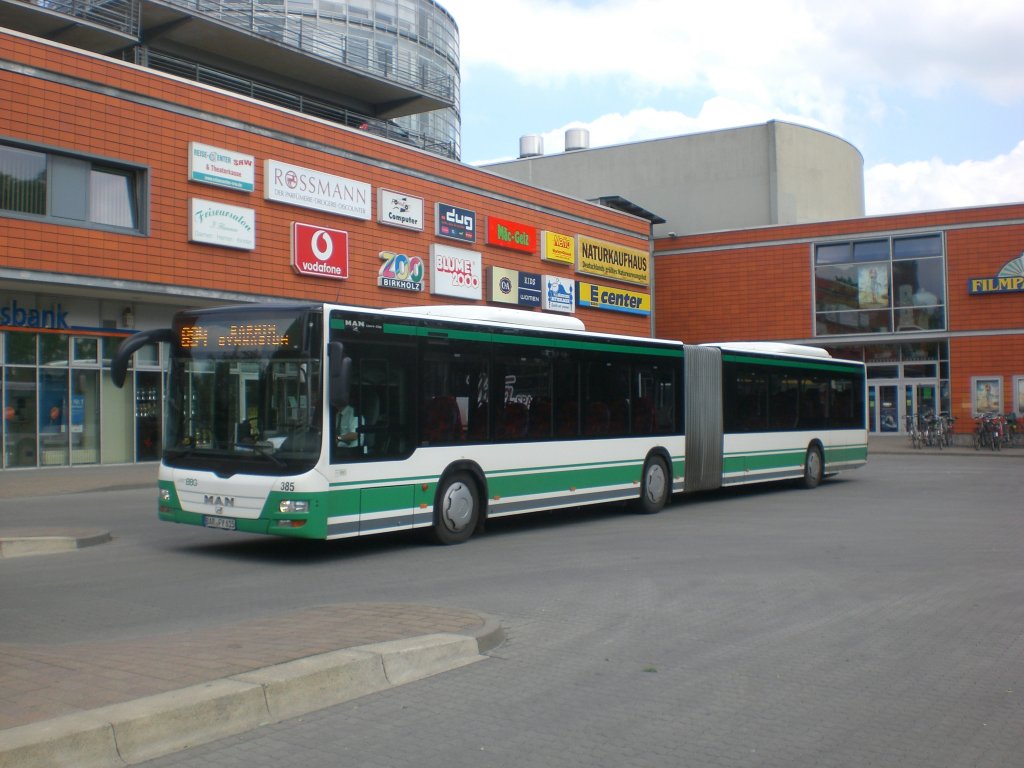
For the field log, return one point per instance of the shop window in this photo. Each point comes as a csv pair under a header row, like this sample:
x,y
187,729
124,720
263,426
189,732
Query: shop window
x,y
66,189
20,425
915,247
880,286
53,349
54,415
84,349
20,348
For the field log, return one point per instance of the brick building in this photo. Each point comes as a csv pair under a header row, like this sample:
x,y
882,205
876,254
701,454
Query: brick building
x,y
932,302
127,193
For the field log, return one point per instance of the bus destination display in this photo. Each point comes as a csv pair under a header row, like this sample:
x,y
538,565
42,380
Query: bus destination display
x,y
247,335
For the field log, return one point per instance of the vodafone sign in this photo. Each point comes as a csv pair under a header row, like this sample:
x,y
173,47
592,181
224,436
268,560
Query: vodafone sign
x,y
319,251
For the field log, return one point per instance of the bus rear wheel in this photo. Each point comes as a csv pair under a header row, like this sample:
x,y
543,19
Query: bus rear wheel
x,y
456,509
814,468
655,485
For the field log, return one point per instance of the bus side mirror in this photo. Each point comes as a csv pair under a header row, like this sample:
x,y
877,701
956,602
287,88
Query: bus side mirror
x,y
339,379
131,345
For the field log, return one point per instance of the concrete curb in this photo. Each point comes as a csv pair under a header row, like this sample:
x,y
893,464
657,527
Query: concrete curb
x,y
23,542
144,729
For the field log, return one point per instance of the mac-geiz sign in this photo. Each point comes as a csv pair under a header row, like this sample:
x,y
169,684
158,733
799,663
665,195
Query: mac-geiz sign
x,y
1009,279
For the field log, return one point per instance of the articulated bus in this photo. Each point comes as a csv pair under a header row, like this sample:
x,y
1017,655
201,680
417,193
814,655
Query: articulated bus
x,y
326,421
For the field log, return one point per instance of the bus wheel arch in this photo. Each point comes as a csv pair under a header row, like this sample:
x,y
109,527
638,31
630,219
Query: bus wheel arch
x,y
460,504
814,465
655,483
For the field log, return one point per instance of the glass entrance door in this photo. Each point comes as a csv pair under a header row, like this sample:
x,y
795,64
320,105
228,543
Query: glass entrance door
x,y
888,410
884,407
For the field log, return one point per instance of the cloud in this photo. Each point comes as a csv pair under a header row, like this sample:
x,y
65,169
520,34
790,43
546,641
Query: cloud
x,y
825,61
933,185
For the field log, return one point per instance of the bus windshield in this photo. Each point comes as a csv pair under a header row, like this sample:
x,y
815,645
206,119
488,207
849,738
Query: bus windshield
x,y
245,397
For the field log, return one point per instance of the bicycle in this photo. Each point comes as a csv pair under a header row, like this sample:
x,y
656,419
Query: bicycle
x,y
913,431
987,433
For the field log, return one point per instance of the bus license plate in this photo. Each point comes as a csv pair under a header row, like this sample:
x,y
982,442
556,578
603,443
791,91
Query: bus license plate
x,y
225,523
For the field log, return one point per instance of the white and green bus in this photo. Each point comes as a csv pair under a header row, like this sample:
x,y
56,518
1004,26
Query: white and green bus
x,y
326,421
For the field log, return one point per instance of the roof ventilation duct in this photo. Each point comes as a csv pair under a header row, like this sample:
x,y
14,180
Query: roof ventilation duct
x,y
531,146
577,139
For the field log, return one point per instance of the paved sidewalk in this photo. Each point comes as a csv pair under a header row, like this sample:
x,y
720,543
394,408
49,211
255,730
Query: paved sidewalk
x,y
112,703
118,703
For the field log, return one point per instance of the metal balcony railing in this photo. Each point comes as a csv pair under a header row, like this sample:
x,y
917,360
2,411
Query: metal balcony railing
x,y
307,33
119,15
291,100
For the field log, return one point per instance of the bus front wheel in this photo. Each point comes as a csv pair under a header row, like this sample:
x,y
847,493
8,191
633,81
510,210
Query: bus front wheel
x,y
814,468
655,484
456,510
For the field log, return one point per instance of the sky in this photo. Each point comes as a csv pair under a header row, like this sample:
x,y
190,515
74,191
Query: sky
x,y
930,91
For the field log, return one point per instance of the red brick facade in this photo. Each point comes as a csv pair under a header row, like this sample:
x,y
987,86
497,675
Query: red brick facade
x,y
757,284
64,100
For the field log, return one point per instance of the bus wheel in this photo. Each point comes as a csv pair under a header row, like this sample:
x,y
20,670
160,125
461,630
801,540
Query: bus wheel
x,y
456,510
814,468
654,486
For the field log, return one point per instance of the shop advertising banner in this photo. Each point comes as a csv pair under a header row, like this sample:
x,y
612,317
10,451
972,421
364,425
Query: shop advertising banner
x,y
221,167
613,299
219,224
455,223
401,272
558,248
307,188
511,234
1009,279
611,261
399,210
319,251
559,294
510,286
455,272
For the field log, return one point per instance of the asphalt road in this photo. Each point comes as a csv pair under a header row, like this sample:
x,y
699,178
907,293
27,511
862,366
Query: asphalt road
x,y
876,620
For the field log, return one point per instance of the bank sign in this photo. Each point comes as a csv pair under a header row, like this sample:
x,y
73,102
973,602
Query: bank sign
x,y
1009,279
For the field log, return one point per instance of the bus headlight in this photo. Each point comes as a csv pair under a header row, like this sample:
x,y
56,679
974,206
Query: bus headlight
x,y
293,506
165,495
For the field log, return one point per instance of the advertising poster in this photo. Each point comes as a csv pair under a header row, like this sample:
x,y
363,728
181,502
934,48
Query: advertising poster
x,y
873,287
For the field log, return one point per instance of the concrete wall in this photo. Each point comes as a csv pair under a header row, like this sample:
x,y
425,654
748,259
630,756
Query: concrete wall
x,y
776,173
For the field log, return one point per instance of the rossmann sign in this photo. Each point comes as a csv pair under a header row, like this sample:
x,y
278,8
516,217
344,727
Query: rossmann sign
x,y
1009,279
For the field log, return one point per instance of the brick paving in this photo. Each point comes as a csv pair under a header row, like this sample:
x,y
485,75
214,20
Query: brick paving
x,y
39,682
